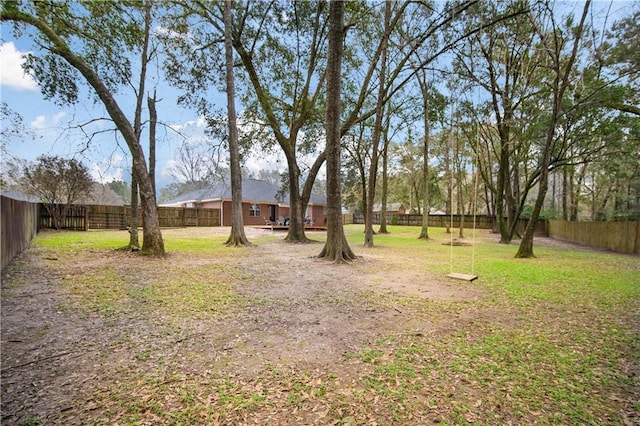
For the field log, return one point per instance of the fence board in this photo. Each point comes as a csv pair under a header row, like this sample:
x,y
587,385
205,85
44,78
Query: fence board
x,y
440,221
75,219
18,226
620,237
119,217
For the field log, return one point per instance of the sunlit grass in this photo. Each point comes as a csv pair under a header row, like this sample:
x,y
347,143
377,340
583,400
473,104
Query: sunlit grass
x,y
190,292
544,344
65,241
133,283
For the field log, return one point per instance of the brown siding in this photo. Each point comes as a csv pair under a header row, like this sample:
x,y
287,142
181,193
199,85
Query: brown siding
x,y
317,214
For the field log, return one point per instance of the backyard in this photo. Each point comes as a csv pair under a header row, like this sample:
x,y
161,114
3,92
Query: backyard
x,y
94,334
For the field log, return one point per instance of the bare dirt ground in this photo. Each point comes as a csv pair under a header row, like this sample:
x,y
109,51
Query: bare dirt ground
x,y
308,317
305,314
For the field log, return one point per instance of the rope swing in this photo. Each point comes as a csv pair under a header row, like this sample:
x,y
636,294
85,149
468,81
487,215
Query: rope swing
x,y
458,275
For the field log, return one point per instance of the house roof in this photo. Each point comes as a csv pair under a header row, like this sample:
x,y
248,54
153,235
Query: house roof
x,y
19,196
253,190
391,207
101,194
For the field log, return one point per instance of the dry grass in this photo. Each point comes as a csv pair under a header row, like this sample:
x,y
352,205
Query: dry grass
x,y
270,335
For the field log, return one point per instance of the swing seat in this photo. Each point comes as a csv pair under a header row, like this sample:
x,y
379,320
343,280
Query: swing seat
x,y
464,277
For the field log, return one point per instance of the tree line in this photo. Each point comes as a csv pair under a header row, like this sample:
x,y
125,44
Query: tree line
x,y
518,108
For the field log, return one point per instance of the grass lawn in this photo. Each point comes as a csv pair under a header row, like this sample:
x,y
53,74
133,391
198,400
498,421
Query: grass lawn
x,y
269,335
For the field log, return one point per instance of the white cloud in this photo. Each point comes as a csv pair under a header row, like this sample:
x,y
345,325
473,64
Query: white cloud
x,y
199,123
42,122
264,160
39,123
11,73
165,169
109,169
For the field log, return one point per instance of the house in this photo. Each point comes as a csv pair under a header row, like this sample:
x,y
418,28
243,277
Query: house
x,y
262,202
392,208
100,194
19,196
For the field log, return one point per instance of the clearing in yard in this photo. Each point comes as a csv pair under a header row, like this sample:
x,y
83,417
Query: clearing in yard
x,y
92,334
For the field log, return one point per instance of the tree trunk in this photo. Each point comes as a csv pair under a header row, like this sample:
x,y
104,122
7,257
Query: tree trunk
x,y
153,123
503,172
424,231
336,247
575,193
560,84
152,242
296,210
377,130
385,163
237,236
134,241
565,193
458,167
449,174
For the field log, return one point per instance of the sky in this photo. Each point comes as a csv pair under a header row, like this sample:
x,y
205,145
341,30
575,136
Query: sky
x,y
53,130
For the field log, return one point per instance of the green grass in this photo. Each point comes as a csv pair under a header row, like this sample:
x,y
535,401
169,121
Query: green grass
x,y
66,241
155,286
547,343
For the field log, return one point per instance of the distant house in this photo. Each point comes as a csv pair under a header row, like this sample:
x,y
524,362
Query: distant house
x,y
392,208
100,195
262,202
19,196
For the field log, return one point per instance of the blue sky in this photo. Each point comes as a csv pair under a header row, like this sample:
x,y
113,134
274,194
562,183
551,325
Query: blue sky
x,y
53,130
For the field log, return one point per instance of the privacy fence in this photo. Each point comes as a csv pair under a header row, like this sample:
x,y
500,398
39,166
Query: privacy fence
x,y
621,237
21,220
82,218
441,221
18,225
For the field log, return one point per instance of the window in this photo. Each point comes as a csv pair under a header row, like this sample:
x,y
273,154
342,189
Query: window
x,y
254,210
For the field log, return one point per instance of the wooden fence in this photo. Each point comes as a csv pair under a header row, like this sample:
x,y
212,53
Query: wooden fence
x,y
440,221
621,237
82,218
74,219
18,225
20,221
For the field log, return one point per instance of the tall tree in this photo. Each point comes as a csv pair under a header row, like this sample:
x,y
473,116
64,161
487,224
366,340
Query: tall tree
x,y
423,84
237,236
560,63
93,42
281,49
336,248
134,242
377,130
385,178
498,60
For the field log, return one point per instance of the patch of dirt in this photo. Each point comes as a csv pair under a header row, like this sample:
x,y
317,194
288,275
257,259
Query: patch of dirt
x,y
302,313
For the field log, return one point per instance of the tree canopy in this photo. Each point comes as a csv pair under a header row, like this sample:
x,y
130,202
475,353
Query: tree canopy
x,y
540,100
58,183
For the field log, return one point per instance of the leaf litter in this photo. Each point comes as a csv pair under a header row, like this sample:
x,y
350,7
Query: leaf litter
x,y
285,339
